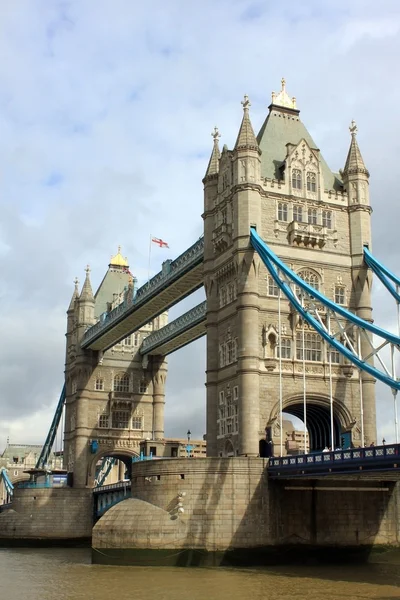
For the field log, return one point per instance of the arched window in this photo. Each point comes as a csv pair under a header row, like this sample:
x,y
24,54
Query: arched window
x,y
296,179
311,182
327,219
121,382
297,213
272,287
310,277
282,211
312,216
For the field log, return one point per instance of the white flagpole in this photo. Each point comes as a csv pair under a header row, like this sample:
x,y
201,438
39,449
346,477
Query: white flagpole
x,y
304,385
329,348
148,269
280,372
361,393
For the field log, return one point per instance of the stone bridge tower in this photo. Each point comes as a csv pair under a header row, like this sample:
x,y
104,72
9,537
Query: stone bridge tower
x,y
317,221
113,400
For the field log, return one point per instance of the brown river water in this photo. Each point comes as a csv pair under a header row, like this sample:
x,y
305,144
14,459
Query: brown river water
x,y
67,574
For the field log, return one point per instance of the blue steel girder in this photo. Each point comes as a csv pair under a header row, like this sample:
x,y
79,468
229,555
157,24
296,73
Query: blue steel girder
x,y
177,280
387,277
51,436
182,331
357,340
7,481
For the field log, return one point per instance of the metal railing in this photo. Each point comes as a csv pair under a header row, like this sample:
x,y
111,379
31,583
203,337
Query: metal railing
x,y
336,458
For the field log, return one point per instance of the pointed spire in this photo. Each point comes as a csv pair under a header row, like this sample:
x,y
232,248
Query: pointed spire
x,y
75,296
246,138
213,165
87,293
118,260
283,98
354,163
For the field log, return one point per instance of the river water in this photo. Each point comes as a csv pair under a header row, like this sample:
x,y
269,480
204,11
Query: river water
x,y
67,574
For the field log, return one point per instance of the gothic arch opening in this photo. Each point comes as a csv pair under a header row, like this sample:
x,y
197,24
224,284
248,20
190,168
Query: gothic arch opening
x,y
229,449
318,422
318,425
120,469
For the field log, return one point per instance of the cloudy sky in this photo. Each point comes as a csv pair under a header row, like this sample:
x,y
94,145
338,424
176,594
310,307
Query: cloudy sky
x,y
106,110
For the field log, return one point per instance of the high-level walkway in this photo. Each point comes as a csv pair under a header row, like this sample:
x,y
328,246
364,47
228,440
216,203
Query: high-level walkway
x,y
176,280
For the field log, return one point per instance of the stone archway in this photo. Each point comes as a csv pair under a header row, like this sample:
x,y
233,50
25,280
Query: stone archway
x,y
229,449
318,419
124,456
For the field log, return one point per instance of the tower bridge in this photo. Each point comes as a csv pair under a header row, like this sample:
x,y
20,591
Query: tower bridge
x,y
286,266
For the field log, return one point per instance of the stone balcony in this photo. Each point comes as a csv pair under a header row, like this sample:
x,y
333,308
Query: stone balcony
x,y
306,234
222,237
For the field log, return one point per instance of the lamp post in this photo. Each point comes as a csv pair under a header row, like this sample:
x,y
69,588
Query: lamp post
x,y
188,446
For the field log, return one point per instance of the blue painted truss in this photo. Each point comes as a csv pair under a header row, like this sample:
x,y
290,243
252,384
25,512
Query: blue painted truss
x,y
387,277
320,312
7,482
51,436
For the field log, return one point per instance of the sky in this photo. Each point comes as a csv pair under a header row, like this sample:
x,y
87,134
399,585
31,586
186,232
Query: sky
x,y
106,110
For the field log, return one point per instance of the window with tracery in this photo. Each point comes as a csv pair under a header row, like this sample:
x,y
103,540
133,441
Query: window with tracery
x,y
327,219
310,277
137,422
127,341
334,355
120,419
282,211
228,412
103,421
121,383
286,348
273,289
99,385
296,179
297,213
227,352
309,345
312,216
142,387
340,294
311,182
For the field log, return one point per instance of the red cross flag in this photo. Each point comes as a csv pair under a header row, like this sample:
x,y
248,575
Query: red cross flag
x,y
159,242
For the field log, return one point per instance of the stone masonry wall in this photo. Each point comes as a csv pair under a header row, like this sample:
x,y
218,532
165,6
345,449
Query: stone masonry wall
x,y
230,504
358,512
51,514
224,500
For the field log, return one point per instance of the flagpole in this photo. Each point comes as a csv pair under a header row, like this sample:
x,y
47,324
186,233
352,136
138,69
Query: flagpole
x,y
148,268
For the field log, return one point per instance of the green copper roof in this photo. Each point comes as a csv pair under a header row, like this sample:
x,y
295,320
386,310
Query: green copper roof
x,y
280,128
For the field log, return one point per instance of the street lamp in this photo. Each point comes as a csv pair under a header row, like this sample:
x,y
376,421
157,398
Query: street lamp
x,y
188,447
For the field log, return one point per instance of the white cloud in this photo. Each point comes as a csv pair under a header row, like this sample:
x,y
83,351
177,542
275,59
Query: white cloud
x,y
105,121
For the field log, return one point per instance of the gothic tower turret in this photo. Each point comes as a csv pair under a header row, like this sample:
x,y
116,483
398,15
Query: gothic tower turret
x,y
246,211
211,184
86,304
356,181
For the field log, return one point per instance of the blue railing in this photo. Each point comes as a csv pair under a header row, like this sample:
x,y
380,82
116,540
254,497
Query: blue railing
x,y
338,460
171,271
